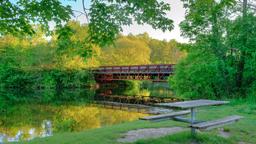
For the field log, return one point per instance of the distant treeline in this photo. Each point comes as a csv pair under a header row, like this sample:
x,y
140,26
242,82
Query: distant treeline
x,y
141,49
40,62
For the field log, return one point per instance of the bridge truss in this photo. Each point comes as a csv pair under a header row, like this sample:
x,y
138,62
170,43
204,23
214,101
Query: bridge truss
x,y
156,73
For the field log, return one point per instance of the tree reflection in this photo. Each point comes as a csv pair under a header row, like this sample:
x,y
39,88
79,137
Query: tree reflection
x,y
25,122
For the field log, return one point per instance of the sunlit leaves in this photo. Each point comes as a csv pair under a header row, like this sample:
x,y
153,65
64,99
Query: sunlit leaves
x,y
73,45
229,42
126,51
163,52
108,17
18,16
201,15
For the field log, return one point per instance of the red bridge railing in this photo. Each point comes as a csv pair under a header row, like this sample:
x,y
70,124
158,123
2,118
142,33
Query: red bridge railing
x,y
159,72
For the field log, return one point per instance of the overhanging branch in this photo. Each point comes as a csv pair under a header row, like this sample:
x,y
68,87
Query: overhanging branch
x,y
85,11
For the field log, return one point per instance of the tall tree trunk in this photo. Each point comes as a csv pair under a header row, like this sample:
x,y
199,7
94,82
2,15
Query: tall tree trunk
x,y
215,44
245,4
239,80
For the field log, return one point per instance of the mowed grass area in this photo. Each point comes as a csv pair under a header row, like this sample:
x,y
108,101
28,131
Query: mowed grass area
x,y
242,131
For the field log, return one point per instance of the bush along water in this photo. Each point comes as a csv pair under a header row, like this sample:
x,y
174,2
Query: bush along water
x,y
45,86
46,79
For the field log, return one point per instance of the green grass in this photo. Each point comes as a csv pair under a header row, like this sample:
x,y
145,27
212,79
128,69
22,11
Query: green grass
x,y
243,131
186,138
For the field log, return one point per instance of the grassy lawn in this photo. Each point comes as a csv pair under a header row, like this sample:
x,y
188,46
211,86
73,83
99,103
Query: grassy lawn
x,y
243,131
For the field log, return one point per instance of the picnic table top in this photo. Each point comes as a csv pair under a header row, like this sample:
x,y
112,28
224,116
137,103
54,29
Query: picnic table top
x,y
192,103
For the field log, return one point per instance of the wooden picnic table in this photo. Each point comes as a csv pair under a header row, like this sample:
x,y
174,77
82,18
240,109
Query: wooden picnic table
x,y
192,105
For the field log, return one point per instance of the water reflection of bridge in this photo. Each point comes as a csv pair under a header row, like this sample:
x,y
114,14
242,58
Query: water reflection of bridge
x,y
144,100
156,73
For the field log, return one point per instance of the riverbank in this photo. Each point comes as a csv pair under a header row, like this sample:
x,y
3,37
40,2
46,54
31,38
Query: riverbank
x,y
241,132
18,86
39,79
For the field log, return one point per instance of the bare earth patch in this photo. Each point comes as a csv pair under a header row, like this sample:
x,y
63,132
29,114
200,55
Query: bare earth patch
x,y
223,133
134,135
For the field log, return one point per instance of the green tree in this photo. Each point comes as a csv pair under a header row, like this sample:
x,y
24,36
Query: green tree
x,y
73,51
18,17
163,52
126,51
106,18
222,45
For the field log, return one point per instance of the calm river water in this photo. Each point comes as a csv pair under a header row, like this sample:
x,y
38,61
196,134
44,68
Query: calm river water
x,y
33,114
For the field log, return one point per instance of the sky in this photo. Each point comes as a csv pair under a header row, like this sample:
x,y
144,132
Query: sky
x,y
177,14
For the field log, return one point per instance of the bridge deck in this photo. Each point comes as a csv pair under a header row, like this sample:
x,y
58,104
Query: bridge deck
x,y
159,72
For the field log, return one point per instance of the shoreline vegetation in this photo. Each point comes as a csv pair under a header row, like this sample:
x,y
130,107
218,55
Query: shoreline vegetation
x,y
243,131
34,63
47,79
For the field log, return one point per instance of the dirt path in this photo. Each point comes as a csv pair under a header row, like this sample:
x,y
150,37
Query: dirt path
x,y
134,135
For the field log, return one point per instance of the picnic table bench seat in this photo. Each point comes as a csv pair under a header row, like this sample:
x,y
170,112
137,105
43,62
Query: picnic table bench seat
x,y
166,116
216,123
192,105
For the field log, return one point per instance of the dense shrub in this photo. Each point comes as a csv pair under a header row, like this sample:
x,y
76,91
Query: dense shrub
x,y
221,58
199,75
46,79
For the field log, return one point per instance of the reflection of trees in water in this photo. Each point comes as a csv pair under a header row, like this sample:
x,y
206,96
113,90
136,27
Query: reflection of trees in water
x,y
26,121
86,117
47,96
158,89
128,88
136,88
15,134
27,118
22,118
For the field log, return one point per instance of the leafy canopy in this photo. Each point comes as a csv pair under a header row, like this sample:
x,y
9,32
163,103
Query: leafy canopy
x,y
106,17
17,17
221,58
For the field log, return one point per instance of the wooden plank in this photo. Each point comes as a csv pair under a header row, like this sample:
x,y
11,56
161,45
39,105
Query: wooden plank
x,y
186,120
216,123
166,116
192,104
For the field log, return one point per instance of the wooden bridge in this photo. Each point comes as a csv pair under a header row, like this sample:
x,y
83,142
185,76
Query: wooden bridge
x,y
156,73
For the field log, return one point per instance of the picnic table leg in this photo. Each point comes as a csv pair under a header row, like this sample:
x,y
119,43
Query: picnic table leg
x,y
193,118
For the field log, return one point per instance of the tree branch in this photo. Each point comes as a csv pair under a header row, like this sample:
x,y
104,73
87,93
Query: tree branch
x,y
251,6
79,12
86,14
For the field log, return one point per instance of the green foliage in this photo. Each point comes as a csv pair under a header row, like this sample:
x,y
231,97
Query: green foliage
x,y
242,38
126,51
32,63
164,52
140,49
251,94
132,88
17,16
47,79
65,125
199,76
108,17
241,131
221,61
71,41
